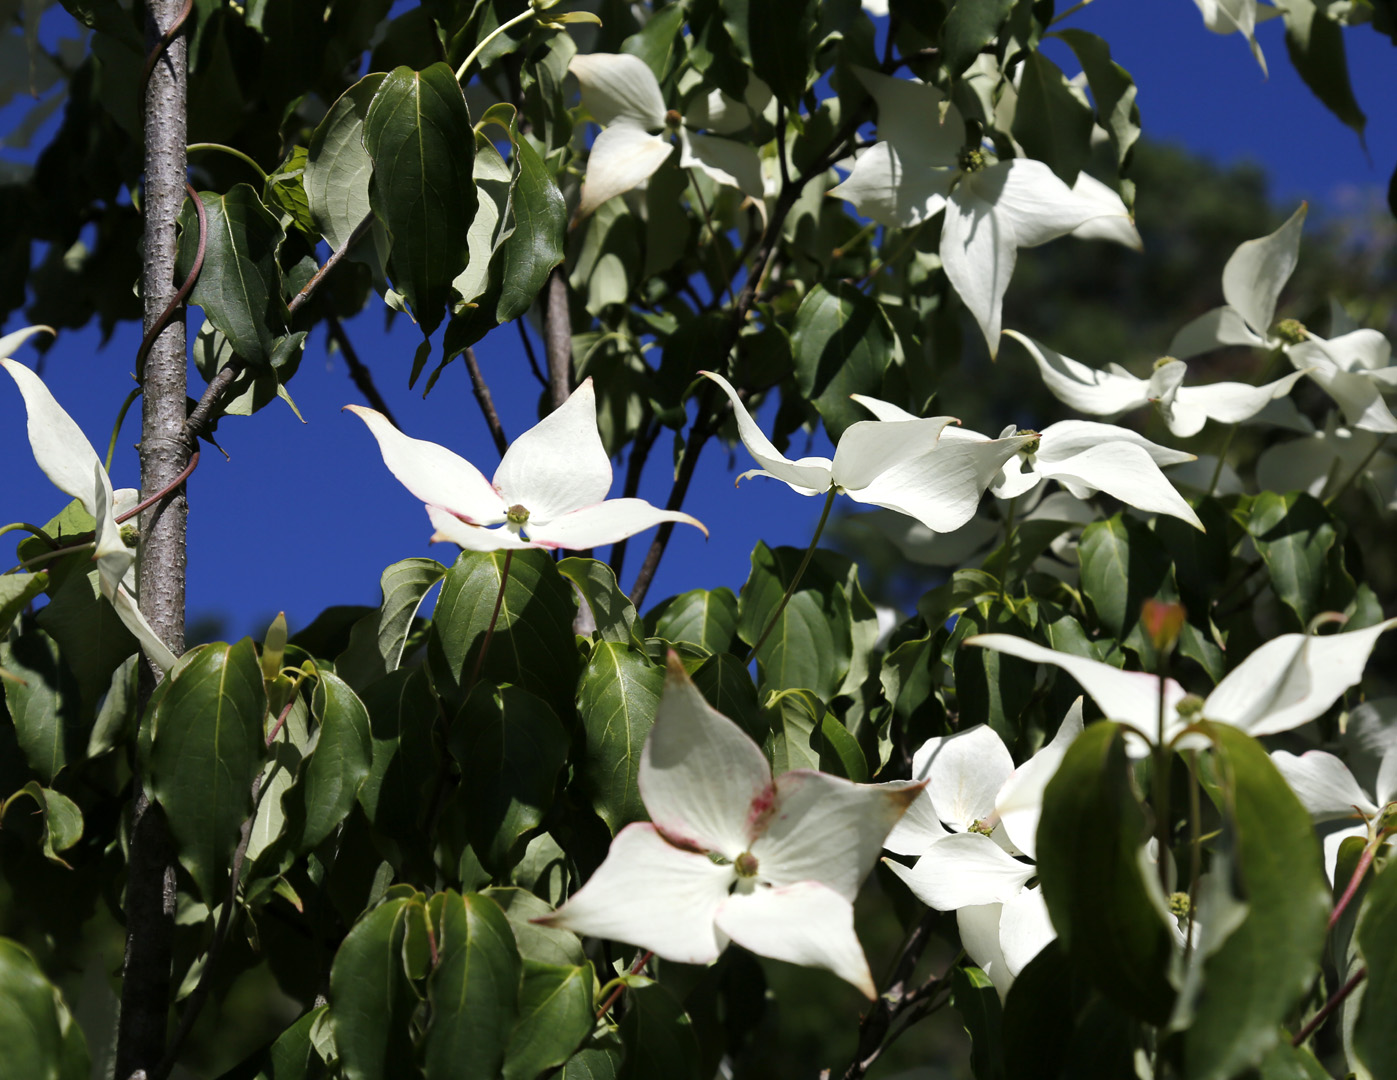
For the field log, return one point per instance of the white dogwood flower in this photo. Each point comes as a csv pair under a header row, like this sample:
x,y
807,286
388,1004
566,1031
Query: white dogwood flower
x,y
1238,16
1185,409
622,94
922,166
549,491
62,451
908,465
731,854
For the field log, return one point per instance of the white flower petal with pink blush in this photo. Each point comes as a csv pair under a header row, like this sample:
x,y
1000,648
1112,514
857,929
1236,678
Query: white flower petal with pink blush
x,y
549,491
62,451
733,854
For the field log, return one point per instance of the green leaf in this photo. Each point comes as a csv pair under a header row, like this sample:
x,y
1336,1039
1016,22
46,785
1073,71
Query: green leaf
x,y
969,27
285,191
1123,564
555,1015
473,992
44,703
776,37
658,1034
654,43
991,687
338,168
418,133
402,711
16,590
479,283
724,682
338,763
41,1040
811,644
1112,89
90,636
803,734
1051,122
703,617
1374,1038
544,944
611,609
1286,1062
533,644
62,820
1246,986
239,287
595,1062
511,748
534,245
371,999
1316,46
377,641
842,345
1293,534
977,1001
293,1056
616,698
207,744
1089,842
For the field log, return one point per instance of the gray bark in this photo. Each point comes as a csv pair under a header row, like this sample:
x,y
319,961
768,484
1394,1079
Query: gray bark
x,y
557,336
150,888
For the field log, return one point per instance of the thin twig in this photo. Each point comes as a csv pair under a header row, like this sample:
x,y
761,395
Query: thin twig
x,y
640,962
1330,1005
363,379
280,721
557,337
485,401
1364,861
168,489
795,580
533,356
635,465
308,289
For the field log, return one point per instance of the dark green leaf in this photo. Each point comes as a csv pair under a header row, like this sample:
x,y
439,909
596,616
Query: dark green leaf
x,y
511,748
473,991
977,1001
294,1056
969,27
44,703
239,287
538,222
377,641
811,644
16,590
545,944
703,617
418,133
1089,842
776,37
371,999
1316,45
533,644
1249,983
338,168
40,1038
555,1014
207,744
90,636
1051,122
655,42
1374,1036
611,609
402,713
1112,89
1286,1062
617,698
1293,534
339,761
658,1034
991,687
842,345
62,820
1123,564
595,1062
725,683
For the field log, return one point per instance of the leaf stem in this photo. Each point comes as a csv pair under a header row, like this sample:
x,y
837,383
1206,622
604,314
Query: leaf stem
x,y
1353,476
640,962
231,151
34,529
508,24
1222,459
1330,1005
800,572
494,617
116,428
1364,861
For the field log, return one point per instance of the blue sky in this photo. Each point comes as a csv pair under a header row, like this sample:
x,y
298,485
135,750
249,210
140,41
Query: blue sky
x,y
305,516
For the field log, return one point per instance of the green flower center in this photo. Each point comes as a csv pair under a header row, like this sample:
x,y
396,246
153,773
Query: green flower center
x,y
746,865
517,515
1292,331
130,536
1031,447
983,827
1190,705
1179,905
1165,360
971,160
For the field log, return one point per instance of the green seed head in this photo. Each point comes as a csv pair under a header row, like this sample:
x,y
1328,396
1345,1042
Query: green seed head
x,y
1179,905
517,515
130,536
746,865
1031,447
971,159
982,828
1292,331
1190,705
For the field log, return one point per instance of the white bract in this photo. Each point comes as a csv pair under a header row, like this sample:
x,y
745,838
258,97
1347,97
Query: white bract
x,y
1354,369
622,94
1185,409
1237,16
907,464
1083,456
1285,683
922,166
62,451
551,485
731,854
992,810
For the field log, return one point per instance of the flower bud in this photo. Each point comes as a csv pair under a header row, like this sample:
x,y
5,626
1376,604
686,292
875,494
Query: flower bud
x,y
1163,620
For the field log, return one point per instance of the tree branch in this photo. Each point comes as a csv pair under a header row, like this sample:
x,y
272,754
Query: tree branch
x,y
150,882
557,336
486,402
357,371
